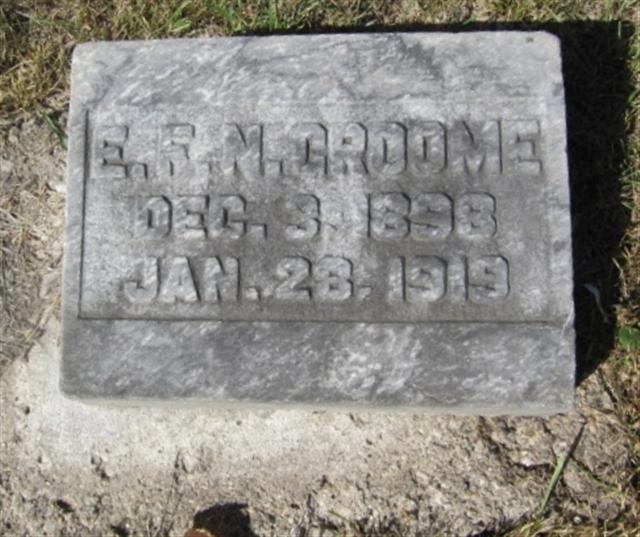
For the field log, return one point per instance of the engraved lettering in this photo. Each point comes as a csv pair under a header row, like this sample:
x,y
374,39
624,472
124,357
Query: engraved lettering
x,y
396,281
276,147
175,140
431,216
348,143
189,214
426,278
404,237
387,148
177,283
475,149
389,215
475,216
311,150
109,151
417,279
457,279
488,278
220,279
227,216
521,145
302,214
294,274
427,147
153,216
333,276
145,289
242,150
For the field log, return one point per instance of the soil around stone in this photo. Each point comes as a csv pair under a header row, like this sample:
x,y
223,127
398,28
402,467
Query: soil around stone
x,y
68,468
32,188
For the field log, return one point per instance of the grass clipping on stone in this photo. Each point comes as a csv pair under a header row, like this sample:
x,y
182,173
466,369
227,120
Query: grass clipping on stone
x,y
601,51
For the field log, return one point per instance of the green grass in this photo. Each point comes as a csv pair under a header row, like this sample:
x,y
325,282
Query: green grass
x,y
602,75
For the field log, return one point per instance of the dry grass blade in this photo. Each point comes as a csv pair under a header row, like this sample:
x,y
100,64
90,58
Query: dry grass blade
x,y
557,473
199,533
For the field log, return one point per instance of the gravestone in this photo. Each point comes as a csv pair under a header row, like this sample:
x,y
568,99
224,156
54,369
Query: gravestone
x,y
325,220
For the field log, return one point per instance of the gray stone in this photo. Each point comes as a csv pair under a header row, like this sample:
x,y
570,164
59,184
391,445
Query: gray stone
x,y
357,220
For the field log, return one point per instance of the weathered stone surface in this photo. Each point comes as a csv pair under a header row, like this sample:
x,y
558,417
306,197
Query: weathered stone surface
x,y
364,220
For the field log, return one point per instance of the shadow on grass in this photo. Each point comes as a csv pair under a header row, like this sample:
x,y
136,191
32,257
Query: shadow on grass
x,y
598,90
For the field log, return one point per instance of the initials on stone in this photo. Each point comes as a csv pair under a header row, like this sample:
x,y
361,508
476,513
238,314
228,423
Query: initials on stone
x,y
384,148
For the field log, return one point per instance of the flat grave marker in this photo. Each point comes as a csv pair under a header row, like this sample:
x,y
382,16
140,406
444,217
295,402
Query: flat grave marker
x,y
370,220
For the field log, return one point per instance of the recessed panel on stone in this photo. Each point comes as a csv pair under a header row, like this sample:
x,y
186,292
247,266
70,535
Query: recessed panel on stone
x,y
332,220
